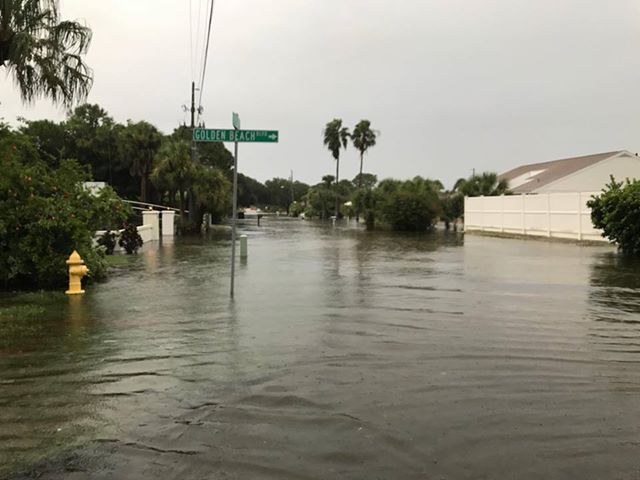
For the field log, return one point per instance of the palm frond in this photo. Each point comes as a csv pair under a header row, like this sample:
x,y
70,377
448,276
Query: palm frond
x,y
44,54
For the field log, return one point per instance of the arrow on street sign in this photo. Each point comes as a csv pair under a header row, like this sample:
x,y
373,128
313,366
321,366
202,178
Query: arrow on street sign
x,y
225,135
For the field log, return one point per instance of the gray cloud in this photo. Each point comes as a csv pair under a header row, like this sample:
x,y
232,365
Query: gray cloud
x,y
451,84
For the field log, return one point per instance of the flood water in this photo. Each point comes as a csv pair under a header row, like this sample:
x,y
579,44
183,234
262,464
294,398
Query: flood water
x,y
346,354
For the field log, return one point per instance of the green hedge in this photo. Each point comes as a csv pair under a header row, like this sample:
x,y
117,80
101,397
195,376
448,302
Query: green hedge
x,y
617,212
45,214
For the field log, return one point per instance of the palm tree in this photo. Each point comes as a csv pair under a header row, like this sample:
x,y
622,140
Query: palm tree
x,y
174,169
363,138
335,138
487,184
43,53
140,142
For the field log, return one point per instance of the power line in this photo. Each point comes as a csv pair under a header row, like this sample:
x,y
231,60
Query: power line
x,y
191,38
206,54
198,34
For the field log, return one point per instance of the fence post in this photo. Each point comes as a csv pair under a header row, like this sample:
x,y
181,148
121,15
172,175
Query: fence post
x,y
548,215
579,216
168,222
524,225
484,215
465,214
151,218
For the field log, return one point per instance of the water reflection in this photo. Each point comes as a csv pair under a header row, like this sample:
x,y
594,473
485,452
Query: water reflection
x,y
615,280
45,376
347,354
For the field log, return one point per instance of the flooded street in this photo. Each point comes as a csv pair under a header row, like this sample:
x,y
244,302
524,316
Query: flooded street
x,y
346,354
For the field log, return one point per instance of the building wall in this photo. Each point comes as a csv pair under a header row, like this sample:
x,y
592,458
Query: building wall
x,y
595,177
552,215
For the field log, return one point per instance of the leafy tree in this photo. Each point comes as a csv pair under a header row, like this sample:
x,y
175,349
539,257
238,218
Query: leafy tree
x,y
335,138
617,212
92,138
365,180
282,192
251,192
140,142
42,53
412,205
366,200
45,214
320,199
279,190
213,154
452,207
487,184
213,191
328,180
207,187
363,138
50,139
344,191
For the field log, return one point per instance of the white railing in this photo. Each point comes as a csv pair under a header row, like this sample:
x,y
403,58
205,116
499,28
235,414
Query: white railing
x,y
136,205
553,215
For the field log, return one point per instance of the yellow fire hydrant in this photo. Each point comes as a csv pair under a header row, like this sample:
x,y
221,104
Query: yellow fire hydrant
x,y
77,270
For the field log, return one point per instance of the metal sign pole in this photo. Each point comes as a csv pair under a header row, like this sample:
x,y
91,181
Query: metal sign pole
x,y
236,135
234,215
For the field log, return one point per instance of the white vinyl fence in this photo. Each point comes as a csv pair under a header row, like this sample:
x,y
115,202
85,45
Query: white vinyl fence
x,y
553,215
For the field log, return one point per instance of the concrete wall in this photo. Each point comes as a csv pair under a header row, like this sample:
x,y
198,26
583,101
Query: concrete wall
x,y
552,215
150,230
595,177
147,233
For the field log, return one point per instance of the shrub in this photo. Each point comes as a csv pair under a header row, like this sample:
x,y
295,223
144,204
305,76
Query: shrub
x,y
130,239
45,214
410,211
108,241
452,207
411,205
365,201
295,209
617,212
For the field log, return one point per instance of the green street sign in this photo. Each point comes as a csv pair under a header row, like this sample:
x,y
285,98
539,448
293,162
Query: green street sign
x,y
224,135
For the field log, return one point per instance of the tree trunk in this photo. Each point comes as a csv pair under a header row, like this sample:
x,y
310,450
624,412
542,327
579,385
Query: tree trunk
x,y
143,188
336,187
359,187
192,205
181,195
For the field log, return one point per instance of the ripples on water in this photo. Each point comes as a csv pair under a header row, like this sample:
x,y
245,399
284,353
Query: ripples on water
x,y
346,355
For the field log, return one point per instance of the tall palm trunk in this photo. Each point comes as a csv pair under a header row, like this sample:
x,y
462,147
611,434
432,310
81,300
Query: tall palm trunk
x,y
336,186
181,195
359,186
143,187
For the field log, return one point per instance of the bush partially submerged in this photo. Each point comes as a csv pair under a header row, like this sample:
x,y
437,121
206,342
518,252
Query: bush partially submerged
x,y
617,212
130,239
108,241
412,205
45,214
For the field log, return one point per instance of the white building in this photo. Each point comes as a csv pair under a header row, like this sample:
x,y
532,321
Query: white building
x,y
550,198
589,173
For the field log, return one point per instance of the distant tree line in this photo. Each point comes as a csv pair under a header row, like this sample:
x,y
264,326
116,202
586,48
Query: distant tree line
x,y
141,163
402,205
413,205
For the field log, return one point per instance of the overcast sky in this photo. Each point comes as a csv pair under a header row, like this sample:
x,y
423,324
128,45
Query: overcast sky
x,y
451,85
